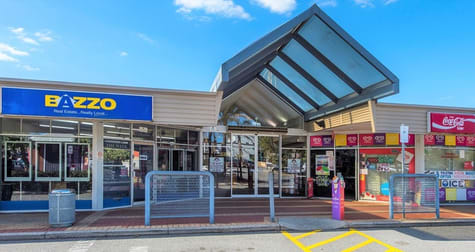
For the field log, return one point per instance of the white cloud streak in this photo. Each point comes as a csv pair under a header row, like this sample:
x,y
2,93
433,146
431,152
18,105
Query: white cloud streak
x,y
7,58
123,54
364,3
327,3
145,38
44,36
9,49
29,68
388,2
225,8
277,6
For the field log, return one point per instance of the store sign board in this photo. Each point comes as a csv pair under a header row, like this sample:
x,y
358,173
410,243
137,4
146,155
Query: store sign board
x,y
451,123
380,139
327,141
451,175
460,140
440,140
470,141
352,140
366,139
39,102
316,141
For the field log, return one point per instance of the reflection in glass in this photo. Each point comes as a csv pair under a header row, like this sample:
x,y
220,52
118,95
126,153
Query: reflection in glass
x,y
285,90
316,69
298,80
268,161
142,164
116,173
294,172
47,160
217,160
243,164
17,161
143,132
77,162
64,127
330,44
32,126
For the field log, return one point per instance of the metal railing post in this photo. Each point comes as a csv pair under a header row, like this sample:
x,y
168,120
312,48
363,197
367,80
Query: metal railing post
x,y
211,199
437,198
147,198
271,196
391,195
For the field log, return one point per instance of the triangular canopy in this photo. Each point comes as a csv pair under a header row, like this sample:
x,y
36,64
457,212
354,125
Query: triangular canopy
x,y
312,65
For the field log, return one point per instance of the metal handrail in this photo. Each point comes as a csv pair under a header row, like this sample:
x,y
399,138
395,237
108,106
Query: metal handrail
x,y
179,173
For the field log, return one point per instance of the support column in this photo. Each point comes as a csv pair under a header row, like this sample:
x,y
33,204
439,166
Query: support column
x,y
97,165
420,154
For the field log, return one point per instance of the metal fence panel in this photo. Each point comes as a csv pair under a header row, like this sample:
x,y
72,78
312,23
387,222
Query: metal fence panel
x,y
176,194
413,193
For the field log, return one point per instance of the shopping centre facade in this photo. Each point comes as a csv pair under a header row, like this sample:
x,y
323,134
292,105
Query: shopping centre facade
x,y
301,102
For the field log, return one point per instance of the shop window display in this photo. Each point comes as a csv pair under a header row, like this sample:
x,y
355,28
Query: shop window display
x,y
217,160
376,168
455,168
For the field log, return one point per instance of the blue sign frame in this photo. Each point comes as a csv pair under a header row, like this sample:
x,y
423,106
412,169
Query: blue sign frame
x,y
57,103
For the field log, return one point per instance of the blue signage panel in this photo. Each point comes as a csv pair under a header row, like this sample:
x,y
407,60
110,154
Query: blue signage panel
x,y
37,102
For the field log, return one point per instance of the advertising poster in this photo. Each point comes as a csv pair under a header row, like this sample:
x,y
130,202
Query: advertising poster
x,y
322,162
216,164
293,165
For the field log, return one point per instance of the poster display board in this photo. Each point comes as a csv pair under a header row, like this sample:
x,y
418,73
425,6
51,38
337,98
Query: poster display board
x,y
322,165
293,165
216,164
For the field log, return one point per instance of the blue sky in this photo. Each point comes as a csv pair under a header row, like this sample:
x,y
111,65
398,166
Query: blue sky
x,y
180,44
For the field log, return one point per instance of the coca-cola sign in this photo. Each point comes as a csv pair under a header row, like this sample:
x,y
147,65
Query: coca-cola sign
x,y
452,123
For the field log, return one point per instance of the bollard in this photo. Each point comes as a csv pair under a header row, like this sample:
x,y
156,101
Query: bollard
x,y
271,196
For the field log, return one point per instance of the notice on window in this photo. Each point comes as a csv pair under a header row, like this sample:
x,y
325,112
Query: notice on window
x,y
216,164
322,163
293,165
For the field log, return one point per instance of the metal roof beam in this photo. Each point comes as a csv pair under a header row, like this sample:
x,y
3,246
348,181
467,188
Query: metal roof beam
x,y
293,87
278,93
308,77
337,71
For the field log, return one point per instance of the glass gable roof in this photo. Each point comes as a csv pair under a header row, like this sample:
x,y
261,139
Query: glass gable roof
x,y
324,39
299,81
285,90
317,69
312,64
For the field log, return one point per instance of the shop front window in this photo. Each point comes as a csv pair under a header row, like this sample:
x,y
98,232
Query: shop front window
x,y
37,162
376,168
217,160
117,181
455,168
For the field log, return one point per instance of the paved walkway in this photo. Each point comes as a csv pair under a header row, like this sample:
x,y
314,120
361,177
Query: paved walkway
x,y
228,212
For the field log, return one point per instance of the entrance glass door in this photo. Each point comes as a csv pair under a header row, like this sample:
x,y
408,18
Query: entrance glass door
x,y
268,161
163,159
142,163
346,165
243,164
178,160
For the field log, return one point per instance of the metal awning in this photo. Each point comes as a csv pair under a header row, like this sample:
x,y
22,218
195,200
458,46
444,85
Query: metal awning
x,y
313,65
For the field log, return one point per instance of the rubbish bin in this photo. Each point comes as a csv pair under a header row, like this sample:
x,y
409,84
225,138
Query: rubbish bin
x,y
62,208
6,192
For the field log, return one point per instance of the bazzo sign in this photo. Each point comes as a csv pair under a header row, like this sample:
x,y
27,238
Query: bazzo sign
x,y
37,102
451,123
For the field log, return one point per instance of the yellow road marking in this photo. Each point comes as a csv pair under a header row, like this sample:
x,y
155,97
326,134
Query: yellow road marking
x,y
331,240
370,239
306,234
390,248
358,246
296,242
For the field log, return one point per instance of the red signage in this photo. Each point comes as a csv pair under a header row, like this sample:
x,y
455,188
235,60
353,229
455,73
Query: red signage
x,y
460,140
452,123
352,140
366,139
316,141
429,140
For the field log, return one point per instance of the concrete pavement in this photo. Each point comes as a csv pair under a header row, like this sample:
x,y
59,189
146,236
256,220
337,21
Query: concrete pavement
x,y
401,239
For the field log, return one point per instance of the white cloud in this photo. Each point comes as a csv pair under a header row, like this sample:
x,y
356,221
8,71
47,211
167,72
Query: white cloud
x,y
123,54
327,3
277,6
18,30
9,49
29,40
29,68
364,3
226,8
44,36
8,58
145,38
388,2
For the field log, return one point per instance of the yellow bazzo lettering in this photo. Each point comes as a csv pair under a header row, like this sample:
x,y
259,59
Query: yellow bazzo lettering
x,y
51,100
81,102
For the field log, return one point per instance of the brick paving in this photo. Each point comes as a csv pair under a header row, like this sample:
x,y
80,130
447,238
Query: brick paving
x,y
228,212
